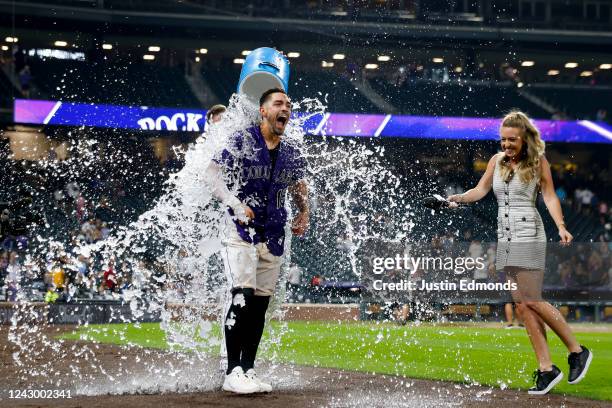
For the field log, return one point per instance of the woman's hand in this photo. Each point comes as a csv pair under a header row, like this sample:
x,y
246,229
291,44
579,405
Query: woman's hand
x,y
456,198
565,235
453,200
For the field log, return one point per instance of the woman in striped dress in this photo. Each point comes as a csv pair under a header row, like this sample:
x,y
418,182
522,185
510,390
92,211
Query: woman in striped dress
x,y
516,175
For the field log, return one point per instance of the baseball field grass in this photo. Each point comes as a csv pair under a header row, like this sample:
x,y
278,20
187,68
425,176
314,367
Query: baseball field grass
x,y
463,353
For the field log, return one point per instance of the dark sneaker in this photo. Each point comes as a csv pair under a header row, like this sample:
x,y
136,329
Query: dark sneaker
x,y
579,365
545,381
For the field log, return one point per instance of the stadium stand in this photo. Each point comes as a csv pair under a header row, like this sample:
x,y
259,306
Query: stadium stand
x,y
568,15
115,83
334,90
130,83
430,98
7,91
581,102
222,79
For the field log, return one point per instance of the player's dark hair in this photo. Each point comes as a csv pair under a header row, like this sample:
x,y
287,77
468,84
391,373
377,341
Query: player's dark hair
x,y
266,95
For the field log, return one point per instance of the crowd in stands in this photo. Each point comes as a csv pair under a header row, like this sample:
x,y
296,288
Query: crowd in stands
x,y
583,266
64,274
51,209
83,206
63,271
588,194
436,170
15,61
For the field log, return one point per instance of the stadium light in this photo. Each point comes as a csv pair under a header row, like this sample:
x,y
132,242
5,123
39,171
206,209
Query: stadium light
x,y
197,59
107,46
553,72
384,58
239,61
203,51
326,64
148,57
527,63
5,48
11,39
571,65
246,52
605,66
438,60
458,69
338,56
586,73
57,54
60,43
154,48
293,55
371,66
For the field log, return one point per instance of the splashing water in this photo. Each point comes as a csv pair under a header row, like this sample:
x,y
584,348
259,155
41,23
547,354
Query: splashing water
x,y
354,199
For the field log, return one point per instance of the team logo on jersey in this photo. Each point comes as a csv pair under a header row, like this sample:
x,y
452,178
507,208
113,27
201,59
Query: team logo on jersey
x,y
257,172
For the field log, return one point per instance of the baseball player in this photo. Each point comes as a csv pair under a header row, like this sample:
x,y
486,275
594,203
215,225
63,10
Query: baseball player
x,y
215,114
263,167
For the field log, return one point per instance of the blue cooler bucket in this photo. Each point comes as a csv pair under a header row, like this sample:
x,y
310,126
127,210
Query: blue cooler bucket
x,y
263,69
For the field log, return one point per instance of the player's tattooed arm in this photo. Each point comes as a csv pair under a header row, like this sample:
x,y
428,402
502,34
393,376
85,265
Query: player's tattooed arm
x,y
299,193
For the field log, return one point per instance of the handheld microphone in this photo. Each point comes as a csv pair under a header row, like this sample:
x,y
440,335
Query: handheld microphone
x,y
437,202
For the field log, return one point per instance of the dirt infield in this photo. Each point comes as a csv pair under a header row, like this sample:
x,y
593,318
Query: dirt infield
x,y
139,377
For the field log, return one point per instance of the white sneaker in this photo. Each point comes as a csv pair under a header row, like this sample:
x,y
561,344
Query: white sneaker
x,y
263,386
238,382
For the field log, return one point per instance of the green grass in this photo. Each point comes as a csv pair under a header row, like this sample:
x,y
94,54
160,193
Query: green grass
x,y
468,354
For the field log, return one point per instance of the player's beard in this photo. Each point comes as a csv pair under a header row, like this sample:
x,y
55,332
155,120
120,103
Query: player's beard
x,y
277,128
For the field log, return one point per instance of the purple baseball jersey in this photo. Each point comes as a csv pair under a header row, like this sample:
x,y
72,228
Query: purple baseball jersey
x,y
261,187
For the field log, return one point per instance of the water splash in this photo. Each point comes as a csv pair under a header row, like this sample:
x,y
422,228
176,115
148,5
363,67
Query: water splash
x,y
354,198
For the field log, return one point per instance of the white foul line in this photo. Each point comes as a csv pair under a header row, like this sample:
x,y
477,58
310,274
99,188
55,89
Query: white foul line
x,y
50,115
596,128
321,124
382,125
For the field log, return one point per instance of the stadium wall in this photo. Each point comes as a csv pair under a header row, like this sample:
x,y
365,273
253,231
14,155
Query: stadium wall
x,y
115,312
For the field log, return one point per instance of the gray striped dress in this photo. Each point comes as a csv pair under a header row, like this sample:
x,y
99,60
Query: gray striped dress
x,y
521,240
